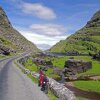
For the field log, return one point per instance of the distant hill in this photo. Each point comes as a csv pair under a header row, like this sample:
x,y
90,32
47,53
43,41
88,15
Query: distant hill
x,y
11,41
84,41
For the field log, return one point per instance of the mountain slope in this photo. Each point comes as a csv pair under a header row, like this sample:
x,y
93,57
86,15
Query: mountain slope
x,y
84,41
10,39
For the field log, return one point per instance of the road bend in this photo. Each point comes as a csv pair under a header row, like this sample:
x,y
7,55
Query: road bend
x,y
14,85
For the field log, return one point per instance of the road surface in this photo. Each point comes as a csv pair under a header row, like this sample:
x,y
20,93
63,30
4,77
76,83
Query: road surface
x,y
14,85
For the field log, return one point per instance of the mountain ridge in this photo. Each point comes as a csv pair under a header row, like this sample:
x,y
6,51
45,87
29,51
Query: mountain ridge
x,y
11,39
86,40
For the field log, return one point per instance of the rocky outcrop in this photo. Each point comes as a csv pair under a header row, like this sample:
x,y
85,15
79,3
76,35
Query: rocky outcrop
x,y
95,20
96,56
77,66
4,50
4,22
39,61
23,60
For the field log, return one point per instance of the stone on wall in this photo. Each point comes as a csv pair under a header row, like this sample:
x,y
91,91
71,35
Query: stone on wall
x,y
61,91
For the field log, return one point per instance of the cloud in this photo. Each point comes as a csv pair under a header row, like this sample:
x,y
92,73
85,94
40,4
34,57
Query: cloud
x,y
41,39
39,10
43,46
48,29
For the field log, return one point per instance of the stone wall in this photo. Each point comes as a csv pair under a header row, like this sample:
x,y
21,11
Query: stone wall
x,y
61,91
57,89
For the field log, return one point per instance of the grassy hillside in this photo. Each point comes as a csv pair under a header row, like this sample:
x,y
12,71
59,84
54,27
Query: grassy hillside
x,y
83,41
11,38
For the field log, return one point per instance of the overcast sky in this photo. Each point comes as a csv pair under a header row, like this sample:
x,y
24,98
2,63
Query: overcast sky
x,y
45,22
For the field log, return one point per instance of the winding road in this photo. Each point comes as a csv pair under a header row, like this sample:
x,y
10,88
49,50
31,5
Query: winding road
x,y
14,85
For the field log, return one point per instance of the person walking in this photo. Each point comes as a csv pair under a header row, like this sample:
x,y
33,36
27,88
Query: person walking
x,y
41,78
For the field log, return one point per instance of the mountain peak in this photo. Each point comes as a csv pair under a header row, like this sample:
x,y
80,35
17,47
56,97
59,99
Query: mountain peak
x,y
95,20
96,15
10,39
4,22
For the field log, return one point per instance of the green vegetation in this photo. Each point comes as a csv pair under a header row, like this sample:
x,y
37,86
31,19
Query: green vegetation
x,y
34,68
93,86
7,43
59,62
2,56
84,85
11,39
30,65
51,96
83,41
80,98
33,79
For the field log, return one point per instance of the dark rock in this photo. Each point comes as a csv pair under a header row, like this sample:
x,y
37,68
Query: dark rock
x,y
96,56
72,53
4,50
77,66
94,22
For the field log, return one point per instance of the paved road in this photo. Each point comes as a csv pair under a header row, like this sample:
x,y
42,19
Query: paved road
x,y
14,85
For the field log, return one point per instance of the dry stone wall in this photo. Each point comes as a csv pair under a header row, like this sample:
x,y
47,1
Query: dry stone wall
x,y
57,89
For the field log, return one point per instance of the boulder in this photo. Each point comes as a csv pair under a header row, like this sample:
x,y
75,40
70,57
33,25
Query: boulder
x,y
96,56
77,66
4,50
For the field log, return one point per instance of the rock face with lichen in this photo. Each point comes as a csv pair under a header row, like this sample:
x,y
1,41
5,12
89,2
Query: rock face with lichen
x,y
10,39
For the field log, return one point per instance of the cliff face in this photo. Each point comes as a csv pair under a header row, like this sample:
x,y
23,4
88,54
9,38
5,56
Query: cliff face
x,y
10,39
85,40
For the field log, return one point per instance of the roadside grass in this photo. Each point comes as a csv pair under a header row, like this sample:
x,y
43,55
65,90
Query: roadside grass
x,y
92,86
1,56
32,67
51,96
4,56
81,98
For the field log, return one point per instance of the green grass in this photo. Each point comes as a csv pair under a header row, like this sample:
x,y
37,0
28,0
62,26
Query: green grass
x,y
7,43
30,65
59,62
81,98
1,56
51,96
84,41
33,79
93,86
84,85
96,38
